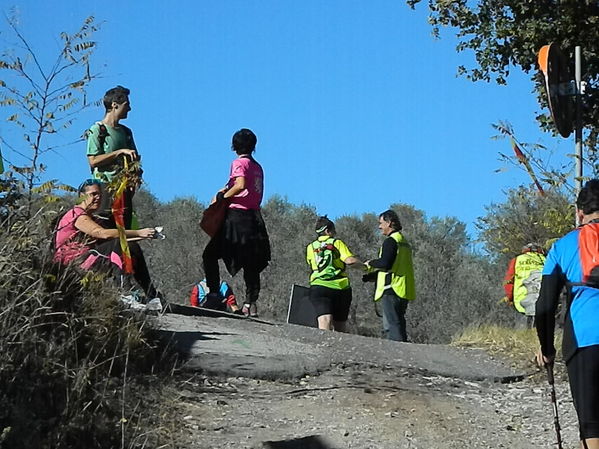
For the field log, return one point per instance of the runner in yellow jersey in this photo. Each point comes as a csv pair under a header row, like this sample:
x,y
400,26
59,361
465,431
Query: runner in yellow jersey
x,y
330,291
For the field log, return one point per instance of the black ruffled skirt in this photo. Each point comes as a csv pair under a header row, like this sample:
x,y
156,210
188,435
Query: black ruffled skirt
x,y
242,241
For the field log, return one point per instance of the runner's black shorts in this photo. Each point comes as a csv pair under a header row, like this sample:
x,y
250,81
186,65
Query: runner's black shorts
x,y
330,301
583,372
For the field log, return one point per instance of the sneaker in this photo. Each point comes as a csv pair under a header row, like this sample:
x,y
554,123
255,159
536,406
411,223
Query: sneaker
x,y
154,305
132,302
245,310
250,310
253,310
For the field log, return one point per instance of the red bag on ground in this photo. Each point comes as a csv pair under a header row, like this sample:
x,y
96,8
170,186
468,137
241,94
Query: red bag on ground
x,y
214,216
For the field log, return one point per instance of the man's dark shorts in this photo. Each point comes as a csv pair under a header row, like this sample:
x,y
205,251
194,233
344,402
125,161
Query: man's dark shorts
x,y
583,371
330,301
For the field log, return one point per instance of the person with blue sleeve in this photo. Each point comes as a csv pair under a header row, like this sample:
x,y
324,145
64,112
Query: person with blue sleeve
x,y
224,300
573,262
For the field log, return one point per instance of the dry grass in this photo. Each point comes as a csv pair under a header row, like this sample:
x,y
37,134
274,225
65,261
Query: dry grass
x,y
516,345
74,371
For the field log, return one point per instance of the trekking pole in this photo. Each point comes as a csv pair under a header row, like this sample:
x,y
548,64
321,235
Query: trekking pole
x,y
551,381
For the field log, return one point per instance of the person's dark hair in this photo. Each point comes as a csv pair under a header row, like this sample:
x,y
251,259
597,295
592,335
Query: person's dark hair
x,y
588,198
118,94
323,224
244,141
534,247
87,183
391,217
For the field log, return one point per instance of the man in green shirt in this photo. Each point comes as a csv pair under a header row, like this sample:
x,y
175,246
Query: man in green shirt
x,y
109,143
330,292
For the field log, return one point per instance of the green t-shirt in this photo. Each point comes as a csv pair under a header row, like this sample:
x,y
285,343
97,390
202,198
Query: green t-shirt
x,y
117,138
341,282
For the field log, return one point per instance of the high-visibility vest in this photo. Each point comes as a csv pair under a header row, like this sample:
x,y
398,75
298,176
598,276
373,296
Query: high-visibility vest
x,y
527,281
401,276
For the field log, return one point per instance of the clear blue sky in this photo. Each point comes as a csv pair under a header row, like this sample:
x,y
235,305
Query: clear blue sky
x,y
355,105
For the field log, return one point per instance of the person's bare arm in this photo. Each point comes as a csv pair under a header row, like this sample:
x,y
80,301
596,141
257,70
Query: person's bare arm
x,y
238,187
108,158
89,227
351,260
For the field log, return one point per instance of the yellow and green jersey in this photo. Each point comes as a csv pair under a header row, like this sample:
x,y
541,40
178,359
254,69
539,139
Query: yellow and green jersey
x,y
325,257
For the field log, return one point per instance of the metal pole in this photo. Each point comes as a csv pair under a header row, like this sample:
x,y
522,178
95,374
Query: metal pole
x,y
578,123
578,127
551,381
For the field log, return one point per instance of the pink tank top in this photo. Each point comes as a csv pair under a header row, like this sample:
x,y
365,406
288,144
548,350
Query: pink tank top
x,y
68,248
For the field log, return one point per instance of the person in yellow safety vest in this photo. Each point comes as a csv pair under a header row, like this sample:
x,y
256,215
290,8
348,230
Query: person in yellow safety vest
x,y
522,281
330,291
394,273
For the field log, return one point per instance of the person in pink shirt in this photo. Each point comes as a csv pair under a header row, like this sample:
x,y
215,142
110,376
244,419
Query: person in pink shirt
x,y
80,240
242,242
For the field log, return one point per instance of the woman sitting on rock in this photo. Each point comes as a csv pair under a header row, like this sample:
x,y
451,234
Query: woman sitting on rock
x,y
79,239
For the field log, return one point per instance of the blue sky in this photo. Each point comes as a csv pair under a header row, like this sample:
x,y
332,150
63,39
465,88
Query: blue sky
x,y
355,105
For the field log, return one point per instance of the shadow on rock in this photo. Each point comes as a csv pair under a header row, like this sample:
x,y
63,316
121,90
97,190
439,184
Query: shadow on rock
x,y
185,340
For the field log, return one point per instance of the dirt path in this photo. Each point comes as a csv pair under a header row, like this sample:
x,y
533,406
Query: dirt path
x,y
361,406
257,385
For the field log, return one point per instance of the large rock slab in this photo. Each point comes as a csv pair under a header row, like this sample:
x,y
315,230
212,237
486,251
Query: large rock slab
x,y
224,345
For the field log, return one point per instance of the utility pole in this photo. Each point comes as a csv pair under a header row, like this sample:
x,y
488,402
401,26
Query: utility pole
x,y
578,123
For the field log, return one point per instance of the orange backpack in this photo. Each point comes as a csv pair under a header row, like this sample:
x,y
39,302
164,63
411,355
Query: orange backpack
x,y
588,244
